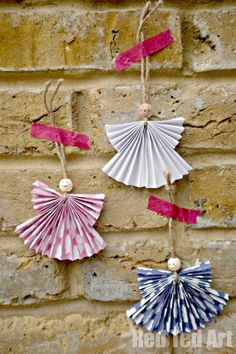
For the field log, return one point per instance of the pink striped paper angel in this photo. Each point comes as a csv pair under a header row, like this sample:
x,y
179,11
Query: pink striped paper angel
x,y
63,228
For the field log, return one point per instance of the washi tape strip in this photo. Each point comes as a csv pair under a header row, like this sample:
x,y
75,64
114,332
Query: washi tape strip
x,y
58,135
143,49
170,210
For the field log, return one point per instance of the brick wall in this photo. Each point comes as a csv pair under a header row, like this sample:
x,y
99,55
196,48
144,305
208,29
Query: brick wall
x,y
50,307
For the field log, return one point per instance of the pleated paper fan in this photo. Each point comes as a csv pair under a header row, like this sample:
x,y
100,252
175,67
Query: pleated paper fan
x,y
173,306
63,228
145,150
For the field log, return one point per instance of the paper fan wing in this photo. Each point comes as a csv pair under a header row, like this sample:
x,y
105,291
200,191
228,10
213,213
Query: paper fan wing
x,y
200,301
174,308
168,131
121,135
145,152
63,229
155,287
43,197
46,201
90,205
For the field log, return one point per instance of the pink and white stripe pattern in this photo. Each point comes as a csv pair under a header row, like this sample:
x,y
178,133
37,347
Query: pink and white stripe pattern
x,y
63,228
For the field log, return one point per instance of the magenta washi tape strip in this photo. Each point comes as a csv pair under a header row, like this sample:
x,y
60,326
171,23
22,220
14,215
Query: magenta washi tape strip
x,y
61,136
170,210
143,49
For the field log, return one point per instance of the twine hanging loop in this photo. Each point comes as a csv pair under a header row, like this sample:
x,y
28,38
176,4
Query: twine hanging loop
x,y
145,67
48,102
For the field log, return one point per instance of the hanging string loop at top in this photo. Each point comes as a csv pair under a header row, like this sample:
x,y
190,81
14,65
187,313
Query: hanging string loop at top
x,y
49,108
145,14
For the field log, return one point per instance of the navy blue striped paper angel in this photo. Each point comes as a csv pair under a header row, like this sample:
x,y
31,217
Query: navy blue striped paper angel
x,y
176,302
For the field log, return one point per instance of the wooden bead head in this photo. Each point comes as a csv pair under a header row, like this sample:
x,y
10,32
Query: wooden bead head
x,y
66,185
174,264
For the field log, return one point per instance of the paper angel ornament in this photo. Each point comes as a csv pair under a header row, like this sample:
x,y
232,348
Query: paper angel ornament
x,y
176,301
175,304
63,228
144,151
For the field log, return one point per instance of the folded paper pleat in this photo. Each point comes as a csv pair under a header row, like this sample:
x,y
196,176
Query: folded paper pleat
x,y
63,228
172,307
145,152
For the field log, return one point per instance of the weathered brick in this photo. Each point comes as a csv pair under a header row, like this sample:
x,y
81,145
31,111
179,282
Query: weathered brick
x,y
17,110
90,179
221,256
28,280
83,332
209,111
109,281
220,253
43,40
213,190
71,334
111,275
214,48
148,248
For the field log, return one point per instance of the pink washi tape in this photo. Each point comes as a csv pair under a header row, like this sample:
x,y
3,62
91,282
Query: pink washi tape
x,y
143,49
58,135
170,210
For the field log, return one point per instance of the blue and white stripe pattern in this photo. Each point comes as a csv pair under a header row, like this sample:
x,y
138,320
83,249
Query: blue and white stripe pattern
x,y
172,307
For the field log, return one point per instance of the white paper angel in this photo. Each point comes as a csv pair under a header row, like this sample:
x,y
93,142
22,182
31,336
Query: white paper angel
x,y
145,150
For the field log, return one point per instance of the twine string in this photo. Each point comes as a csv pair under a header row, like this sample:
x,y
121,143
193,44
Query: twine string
x,y
169,187
49,108
170,191
145,67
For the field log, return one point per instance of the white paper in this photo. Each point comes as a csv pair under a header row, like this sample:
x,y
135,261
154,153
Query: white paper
x,y
144,153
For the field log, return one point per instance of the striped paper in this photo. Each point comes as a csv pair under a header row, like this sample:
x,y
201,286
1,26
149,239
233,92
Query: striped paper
x,y
63,228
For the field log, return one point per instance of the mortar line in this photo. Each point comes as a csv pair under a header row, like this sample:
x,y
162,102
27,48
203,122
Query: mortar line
x,y
129,6
48,162
60,308
101,79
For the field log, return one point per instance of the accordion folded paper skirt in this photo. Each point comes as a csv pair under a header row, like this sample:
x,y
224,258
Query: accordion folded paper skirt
x,y
145,152
63,228
175,307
